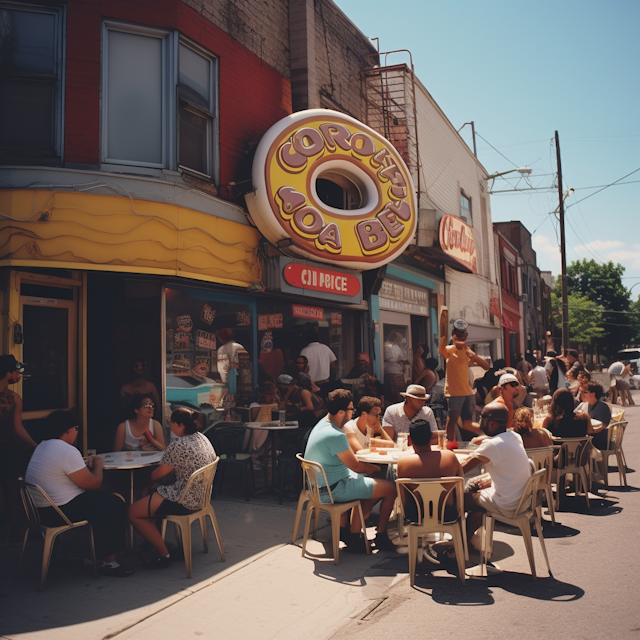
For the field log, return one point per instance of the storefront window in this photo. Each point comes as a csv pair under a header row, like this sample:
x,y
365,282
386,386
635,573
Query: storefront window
x,y
283,331
209,346
397,361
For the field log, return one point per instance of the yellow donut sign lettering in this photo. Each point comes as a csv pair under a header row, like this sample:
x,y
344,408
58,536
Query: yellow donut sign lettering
x,y
323,145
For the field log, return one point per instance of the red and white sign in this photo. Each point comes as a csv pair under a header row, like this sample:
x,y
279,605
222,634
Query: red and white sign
x,y
317,279
308,313
456,240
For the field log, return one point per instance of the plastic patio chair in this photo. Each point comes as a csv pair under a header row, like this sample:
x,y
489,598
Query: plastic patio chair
x,y
310,495
574,457
542,458
49,533
528,508
227,442
614,448
428,494
183,523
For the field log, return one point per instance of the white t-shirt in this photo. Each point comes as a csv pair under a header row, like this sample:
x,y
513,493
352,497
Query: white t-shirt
x,y
539,378
352,427
320,358
562,381
396,417
508,467
50,466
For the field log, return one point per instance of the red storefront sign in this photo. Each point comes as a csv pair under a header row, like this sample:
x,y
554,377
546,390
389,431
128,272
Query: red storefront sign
x,y
308,313
456,240
510,320
317,279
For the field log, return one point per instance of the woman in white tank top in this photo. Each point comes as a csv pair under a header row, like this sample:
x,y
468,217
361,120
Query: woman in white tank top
x,y
140,431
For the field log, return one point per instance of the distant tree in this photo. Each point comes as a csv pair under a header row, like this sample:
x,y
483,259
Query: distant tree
x,y
634,321
602,284
585,318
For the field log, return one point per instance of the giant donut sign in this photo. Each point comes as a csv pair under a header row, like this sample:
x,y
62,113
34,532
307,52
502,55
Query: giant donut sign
x,y
319,143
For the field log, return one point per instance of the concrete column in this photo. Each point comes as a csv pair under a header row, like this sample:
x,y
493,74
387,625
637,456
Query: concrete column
x,y
302,47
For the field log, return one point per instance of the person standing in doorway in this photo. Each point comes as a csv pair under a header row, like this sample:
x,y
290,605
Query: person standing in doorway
x,y
16,444
458,392
322,361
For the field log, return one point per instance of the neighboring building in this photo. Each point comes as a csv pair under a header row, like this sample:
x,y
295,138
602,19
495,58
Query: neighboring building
x,y
534,326
124,170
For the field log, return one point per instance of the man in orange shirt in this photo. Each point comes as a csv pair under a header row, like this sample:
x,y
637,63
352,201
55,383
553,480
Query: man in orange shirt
x,y
457,390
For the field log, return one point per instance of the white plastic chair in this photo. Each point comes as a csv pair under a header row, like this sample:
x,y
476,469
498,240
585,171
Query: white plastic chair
x,y
574,457
542,458
614,448
528,508
183,523
310,495
430,496
48,533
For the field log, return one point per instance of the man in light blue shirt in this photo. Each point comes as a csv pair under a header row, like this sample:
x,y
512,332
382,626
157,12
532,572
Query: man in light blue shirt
x,y
328,445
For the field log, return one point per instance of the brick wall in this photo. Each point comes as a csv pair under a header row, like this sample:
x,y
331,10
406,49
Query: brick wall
x,y
341,51
253,94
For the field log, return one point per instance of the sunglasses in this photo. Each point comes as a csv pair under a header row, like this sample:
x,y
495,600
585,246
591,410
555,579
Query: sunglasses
x,y
512,384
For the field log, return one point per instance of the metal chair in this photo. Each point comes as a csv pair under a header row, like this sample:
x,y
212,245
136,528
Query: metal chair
x,y
528,508
614,448
205,477
574,457
542,458
49,533
430,495
310,495
227,442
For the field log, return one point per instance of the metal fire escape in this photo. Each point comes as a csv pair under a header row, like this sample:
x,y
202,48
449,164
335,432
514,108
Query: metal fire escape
x,y
390,96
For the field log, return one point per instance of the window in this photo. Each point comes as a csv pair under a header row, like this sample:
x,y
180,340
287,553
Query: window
x,y
509,277
465,208
30,84
146,73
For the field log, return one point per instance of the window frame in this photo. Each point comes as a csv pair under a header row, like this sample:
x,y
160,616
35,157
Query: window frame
x,y
469,221
213,146
59,14
170,107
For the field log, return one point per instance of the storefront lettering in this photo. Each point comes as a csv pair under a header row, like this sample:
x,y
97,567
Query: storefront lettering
x,y
306,147
456,240
306,277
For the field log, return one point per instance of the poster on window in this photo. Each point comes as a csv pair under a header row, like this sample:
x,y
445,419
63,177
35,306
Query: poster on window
x,y
181,341
270,321
208,314
243,318
181,364
184,322
205,340
336,318
202,366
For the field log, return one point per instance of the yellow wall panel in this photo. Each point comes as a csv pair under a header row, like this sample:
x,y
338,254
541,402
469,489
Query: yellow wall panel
x,y
63,229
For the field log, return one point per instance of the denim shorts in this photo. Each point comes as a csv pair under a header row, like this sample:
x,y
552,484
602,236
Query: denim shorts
x,y
464,405
355,487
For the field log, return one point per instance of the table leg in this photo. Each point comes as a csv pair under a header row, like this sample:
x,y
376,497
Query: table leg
x,y
274,458
130,527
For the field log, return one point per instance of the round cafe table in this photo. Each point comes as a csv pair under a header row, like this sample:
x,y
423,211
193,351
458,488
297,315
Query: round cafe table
x,y
130,460
275,428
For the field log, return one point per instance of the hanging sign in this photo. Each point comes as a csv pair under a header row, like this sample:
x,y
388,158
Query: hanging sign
x,y
456,240
324,144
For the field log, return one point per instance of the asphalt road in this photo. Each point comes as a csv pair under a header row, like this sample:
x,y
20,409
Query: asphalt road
x,y
593,593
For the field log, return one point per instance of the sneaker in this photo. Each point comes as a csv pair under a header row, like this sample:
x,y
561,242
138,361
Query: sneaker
x,y
158,563
115,572
355,543
383,543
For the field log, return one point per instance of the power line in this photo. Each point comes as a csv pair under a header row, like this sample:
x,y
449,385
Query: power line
x,y
605,187
502,154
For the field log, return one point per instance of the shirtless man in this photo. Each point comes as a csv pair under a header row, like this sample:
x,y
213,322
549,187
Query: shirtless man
x,y
509,388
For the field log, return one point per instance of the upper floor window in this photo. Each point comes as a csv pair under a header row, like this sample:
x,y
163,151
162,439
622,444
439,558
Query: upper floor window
x,y
465,208
30,84
159,101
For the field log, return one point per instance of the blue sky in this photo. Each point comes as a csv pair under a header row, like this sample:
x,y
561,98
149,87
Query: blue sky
x,y
520,71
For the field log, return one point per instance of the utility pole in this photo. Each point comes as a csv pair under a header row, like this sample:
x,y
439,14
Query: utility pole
x,y
563,254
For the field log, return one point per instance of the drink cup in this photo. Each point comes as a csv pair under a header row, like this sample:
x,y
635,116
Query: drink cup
x,y
441,436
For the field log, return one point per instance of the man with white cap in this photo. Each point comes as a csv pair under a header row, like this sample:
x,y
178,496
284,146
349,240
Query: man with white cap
x,y
509,388
458,391
398,417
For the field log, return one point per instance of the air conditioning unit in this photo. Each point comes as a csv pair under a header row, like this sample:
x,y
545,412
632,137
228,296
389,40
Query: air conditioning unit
x,y
524,297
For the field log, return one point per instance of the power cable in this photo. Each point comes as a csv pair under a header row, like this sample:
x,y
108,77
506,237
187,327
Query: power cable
x,y
605,187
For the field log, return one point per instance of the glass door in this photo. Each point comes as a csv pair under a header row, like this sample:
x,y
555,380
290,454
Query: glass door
x,y
396,354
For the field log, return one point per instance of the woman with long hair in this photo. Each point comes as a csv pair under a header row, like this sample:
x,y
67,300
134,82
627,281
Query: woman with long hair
x,y
562,422
532,438
186,455
139,431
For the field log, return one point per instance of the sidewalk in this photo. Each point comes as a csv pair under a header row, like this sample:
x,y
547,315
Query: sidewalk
x,y
265,588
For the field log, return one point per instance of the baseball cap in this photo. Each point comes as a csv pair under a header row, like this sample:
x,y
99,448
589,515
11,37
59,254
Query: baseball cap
x,y
506,378
9,363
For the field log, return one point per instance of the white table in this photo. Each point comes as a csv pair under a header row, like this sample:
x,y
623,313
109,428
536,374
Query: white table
x,y
130,460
